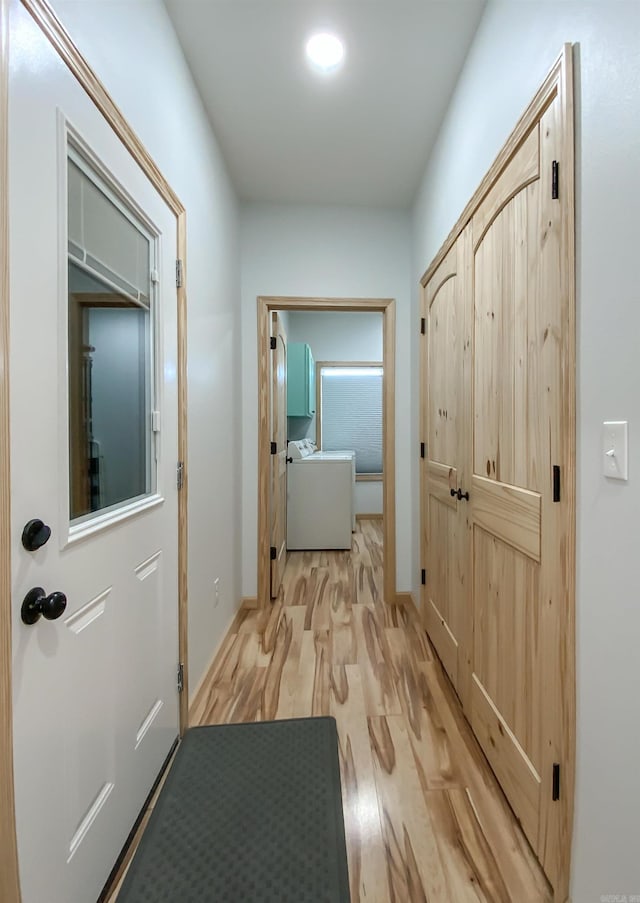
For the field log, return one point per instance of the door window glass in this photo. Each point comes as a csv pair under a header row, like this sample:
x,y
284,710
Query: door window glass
x,y
110,345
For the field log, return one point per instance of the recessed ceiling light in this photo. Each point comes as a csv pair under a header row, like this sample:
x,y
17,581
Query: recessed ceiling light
x,y
325,51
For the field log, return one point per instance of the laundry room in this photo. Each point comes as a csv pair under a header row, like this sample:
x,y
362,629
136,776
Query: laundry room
x,y
327,378
334,408
342,341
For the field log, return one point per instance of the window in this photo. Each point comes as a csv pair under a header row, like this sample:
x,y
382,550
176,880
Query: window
x,y
351,412
110,346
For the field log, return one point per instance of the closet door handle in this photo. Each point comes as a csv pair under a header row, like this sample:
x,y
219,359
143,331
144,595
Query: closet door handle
x,y
462,495
453,493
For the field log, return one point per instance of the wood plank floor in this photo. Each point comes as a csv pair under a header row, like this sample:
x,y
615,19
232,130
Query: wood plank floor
x,y
425,819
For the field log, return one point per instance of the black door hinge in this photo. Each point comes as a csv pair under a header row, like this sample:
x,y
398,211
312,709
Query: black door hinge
x,y
180,677
423,325
274,448
179,273
556,483
556,782
555,180
273,344
422,450
423,577
273,553
180,474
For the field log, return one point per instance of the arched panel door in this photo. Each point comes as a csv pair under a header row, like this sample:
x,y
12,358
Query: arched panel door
x,y
445,602
518,526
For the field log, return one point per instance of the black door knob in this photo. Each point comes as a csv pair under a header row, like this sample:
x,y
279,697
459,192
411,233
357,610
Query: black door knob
x,y
35,534
289,460
37,603
462,495
453,493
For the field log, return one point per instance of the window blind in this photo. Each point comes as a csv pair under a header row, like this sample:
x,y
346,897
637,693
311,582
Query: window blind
x,y
103,239
351,412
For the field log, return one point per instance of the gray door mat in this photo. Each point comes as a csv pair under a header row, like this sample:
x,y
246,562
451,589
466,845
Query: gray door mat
x,y
249,812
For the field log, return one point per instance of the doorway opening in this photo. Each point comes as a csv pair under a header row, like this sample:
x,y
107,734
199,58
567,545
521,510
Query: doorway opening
x,y
272,440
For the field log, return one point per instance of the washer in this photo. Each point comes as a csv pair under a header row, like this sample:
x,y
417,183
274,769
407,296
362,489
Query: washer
x,y
303,448
342,453
319,498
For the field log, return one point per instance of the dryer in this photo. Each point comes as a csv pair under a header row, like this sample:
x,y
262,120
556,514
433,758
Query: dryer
x,y
319,497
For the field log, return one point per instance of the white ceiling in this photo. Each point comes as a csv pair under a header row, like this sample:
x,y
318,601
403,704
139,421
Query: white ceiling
x,y
361,136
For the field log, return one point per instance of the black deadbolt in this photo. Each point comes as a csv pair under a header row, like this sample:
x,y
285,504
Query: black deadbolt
x,y
37,603
35,534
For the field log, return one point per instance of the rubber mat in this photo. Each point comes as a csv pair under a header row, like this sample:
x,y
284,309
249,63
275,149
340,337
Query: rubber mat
x,y
249,812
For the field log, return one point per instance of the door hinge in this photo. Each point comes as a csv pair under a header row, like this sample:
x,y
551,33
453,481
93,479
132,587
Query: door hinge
x,y
556,782
273,344
180,677
423,325
556,483
179,273
422,450
423,577
180,474
555,180
273,553
274,448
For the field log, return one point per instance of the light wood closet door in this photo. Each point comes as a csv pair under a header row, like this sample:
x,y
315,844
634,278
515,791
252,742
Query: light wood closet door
x,y
446,602
519,531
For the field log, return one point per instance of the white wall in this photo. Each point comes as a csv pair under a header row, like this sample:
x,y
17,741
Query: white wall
x,y
331,252
339,336
516,44
155,91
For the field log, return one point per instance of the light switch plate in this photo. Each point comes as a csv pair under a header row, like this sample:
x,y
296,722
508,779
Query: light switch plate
x,y
614,449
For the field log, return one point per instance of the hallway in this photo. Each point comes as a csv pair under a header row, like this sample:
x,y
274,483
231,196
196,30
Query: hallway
x,y
424,817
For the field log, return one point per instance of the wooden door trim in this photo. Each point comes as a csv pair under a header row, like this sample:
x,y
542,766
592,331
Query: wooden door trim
x,y
385,306
561,687
555,80
9,879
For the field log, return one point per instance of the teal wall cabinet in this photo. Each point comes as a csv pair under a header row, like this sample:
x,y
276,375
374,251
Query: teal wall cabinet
x,y
301,381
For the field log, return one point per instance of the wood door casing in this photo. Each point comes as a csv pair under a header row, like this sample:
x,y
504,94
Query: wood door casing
x,y
445,469
515,640
279,460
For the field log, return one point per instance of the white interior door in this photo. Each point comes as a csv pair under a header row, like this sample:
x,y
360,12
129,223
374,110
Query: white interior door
x,y
93,453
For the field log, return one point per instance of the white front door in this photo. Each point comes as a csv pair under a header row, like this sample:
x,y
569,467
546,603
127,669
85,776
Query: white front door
x,y
93,456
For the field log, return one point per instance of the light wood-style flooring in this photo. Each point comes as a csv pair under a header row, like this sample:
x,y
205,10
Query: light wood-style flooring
x,y
425,819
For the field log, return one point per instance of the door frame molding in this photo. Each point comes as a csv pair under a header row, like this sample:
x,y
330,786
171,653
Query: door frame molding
x,y
385,306
562,685
61,41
